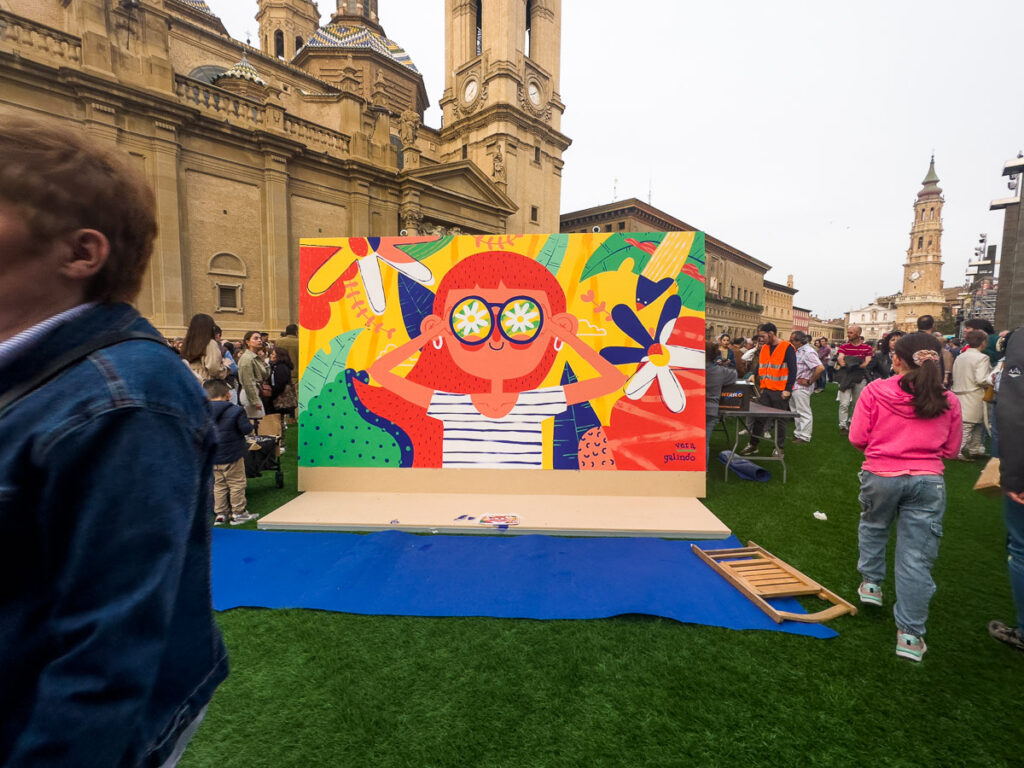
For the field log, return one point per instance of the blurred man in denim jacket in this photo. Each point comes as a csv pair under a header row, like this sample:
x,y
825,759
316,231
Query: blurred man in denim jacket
x,y
108,650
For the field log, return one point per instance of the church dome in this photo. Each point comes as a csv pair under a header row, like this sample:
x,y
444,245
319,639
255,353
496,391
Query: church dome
x,y
343,35
930,183
243,70
199,5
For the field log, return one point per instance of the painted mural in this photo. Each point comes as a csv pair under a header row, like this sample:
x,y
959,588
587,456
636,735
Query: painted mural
x,y
562,352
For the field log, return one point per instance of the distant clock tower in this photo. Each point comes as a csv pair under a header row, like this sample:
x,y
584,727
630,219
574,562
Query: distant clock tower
x,y
502,110
922,271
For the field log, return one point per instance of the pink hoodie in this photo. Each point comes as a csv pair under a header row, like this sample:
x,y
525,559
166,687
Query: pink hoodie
x,y
894,439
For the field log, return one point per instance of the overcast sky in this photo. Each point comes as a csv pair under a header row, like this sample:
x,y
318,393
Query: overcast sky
x,y
798,132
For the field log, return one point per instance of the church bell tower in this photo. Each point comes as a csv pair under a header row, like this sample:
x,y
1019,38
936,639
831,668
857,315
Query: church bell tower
x,y
501,104
922,271
286,25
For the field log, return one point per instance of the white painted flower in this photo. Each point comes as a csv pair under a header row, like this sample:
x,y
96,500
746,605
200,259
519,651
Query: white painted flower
x,y
521,317
471,318
658,363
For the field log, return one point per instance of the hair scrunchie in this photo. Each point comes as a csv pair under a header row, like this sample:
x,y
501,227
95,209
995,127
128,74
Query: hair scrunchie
x,y
925,354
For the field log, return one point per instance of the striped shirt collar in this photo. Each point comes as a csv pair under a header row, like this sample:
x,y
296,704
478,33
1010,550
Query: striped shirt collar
x,y
28,338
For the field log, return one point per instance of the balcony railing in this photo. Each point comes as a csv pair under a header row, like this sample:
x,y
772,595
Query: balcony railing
x,y
33,40
220,104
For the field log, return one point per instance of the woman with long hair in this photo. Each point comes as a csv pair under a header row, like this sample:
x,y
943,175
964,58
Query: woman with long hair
x,y
253,373
880,365
905,425
282,397
201,350
498,322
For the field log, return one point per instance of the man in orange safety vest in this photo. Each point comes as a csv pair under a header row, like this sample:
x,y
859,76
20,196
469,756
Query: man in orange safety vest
x,y
776,373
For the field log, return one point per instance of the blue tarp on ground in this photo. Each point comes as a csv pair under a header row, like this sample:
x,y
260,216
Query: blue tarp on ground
x,y
527,577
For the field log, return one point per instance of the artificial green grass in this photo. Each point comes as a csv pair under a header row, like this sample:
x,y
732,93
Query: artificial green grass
x,y
310,688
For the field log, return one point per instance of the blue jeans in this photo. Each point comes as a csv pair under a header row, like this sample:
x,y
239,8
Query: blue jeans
x,y
1015,549
917,504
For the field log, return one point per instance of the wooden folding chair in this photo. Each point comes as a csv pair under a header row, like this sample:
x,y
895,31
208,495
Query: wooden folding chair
x,y
759,574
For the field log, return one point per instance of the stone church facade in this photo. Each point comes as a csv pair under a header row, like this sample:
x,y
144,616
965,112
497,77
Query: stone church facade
x,y
316,133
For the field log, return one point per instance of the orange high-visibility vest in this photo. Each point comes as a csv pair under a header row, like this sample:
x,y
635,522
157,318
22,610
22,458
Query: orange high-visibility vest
x,y
771,367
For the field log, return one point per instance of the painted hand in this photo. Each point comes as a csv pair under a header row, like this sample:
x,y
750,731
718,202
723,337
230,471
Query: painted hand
x,y
431,327
565,326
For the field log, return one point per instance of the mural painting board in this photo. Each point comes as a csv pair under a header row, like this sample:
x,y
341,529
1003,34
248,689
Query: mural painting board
x,y
440,372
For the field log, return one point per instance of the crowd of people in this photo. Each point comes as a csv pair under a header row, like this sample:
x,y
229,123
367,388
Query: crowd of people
x,y
907,402
109,653
247,381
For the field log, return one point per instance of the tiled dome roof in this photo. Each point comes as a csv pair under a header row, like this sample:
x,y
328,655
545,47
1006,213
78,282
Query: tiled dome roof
x,y
346,36
199,5
243,70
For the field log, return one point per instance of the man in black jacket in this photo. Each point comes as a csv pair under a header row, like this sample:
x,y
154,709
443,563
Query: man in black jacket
x,y
1010,417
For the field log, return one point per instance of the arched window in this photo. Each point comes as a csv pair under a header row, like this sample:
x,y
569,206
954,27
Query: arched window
x,y
529,19
298,44
279,44
931,214
920,243
227,264
479,27
227,293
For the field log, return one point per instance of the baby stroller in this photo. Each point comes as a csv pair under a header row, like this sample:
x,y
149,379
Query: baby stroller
x,y
264,454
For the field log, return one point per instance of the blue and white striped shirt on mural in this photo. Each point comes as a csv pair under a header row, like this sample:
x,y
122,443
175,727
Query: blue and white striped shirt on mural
x,y
511,442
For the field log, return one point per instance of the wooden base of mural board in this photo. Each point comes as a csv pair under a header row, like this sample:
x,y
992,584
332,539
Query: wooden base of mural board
x,y
658,516
660,504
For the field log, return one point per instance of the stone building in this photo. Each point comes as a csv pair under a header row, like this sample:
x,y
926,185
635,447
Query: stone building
x,y
735,280
318,132
829,329
778,305
875,320
922,272
801,319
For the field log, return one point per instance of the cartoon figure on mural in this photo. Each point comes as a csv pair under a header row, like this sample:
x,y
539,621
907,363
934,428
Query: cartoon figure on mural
x,y
499,322
565,352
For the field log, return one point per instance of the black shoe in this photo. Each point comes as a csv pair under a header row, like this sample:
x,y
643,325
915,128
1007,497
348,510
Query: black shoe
x,y
778,453
749,450
1010,635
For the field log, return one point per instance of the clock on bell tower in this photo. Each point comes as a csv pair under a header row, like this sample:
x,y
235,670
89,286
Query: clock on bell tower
x,y
501,104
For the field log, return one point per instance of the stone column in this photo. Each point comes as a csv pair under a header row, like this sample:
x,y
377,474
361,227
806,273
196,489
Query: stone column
x,y
169,268
278,276
360,206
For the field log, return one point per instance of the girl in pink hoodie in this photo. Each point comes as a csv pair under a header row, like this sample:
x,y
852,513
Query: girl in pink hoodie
x,y
905,425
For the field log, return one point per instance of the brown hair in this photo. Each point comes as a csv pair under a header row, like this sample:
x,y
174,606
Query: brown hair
x,y
923,381
197,337
59,181
711,350
976,338
284,356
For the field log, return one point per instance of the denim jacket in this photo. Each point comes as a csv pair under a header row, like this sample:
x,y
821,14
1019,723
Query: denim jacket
x,y
108,648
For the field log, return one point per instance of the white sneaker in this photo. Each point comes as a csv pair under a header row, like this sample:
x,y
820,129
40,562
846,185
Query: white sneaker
x,y
243,517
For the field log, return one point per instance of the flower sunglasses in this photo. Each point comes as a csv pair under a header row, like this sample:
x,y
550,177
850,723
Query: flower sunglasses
x,y
519,320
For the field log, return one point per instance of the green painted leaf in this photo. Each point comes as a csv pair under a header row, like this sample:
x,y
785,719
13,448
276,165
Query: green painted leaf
x,y
325,367
420,251
553,252
691,290
333,432
615,250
